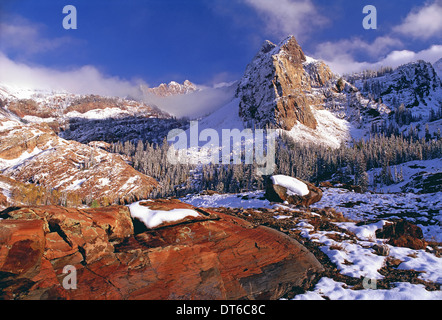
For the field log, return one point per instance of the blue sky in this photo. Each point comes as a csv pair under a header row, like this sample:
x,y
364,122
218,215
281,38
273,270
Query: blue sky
x,y
207,41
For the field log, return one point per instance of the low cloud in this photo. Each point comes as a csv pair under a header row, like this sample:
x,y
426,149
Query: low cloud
x,y
196,104
387,50
83,80
89,80
350,47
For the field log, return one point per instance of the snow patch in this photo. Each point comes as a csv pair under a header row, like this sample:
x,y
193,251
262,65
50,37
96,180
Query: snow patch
x,y
154,218
293,186
329,288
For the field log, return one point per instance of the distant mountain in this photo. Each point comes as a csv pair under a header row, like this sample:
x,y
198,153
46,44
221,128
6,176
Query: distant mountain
x,y
46,106
87,118
173,88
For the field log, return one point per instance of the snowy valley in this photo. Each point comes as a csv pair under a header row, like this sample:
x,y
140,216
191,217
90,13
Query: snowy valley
x,y
368,144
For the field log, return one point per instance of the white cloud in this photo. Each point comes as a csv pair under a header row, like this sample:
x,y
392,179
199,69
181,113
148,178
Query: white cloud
x,y
387,50
345,63
197,104
424,22
348,47
89,80
297,17
26,38
83,80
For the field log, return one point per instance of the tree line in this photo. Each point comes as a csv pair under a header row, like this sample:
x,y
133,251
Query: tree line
x,y
314,163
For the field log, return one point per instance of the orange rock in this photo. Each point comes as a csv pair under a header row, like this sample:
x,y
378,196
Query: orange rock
x,y
213,256
22,243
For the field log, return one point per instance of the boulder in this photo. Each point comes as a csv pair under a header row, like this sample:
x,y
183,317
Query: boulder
x,y
402,233
209,256
295,191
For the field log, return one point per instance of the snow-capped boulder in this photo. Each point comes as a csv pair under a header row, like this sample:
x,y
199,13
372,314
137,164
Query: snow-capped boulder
x,y
281,188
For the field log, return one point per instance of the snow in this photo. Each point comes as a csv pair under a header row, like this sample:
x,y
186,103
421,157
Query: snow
x,y
409,170
5,164
130,183
438,67
419,260
293,186
154,218
76,185
34,119
104,182
365,232
5,125
334,290
356,256
309,60
241,200
21,92
98,114
6,190
424,210
352,259
225,117
330,131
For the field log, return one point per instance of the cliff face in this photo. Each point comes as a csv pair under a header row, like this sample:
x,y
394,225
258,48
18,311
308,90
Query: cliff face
x,y
276,86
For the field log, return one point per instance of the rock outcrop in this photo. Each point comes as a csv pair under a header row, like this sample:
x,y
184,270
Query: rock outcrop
x,y
286,89
213,256
402,233
275,86
279,193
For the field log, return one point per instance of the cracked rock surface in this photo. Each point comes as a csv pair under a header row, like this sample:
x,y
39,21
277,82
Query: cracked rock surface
x,y
213,256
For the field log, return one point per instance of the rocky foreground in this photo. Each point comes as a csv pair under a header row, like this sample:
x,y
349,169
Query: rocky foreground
x,y
212,256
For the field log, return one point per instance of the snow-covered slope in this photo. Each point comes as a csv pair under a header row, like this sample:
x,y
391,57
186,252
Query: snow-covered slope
x,y
86,118
33,154
416,85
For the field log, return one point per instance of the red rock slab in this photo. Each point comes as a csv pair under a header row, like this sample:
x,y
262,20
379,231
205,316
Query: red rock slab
x,y
116,221
22,243
220,258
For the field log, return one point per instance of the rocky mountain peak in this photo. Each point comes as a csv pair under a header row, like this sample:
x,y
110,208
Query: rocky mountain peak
x,y
290,47
172,88
273,88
